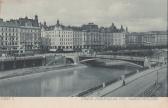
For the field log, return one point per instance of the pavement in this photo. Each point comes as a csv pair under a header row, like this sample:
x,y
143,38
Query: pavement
x,y
135,84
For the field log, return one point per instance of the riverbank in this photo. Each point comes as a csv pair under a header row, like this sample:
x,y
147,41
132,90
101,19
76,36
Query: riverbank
x,y
114,85
35,72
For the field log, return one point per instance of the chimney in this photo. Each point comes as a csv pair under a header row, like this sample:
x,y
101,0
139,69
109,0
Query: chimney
x,y
45,23
36,17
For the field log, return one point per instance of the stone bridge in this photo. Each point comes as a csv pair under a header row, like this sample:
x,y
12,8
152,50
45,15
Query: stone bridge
x,y
136,60
71,57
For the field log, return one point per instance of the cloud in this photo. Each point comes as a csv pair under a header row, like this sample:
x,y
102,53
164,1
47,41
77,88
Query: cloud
x,y
138,15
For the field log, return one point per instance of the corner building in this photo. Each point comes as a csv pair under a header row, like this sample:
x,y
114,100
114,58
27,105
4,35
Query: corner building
x,y
19,36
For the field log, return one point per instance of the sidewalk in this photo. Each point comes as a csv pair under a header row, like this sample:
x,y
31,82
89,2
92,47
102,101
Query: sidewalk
x,y
118,87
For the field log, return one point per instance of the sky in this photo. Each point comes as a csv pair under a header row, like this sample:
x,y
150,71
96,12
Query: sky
x,y
137,15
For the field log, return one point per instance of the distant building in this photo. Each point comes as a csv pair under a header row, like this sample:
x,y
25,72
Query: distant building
x,y
119,39
92,36
88,36
20,35
134,39
112,36
99,38
106,38
156,38
147,39
0,45
62,37
25,34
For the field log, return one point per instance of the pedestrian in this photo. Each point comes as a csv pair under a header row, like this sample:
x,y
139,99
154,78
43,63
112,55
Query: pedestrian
x,y
123,82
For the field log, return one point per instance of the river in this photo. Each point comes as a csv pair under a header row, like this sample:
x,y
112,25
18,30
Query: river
x,y
63,83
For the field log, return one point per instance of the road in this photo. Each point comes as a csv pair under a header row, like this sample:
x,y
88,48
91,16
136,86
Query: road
x,y
135,85
138,86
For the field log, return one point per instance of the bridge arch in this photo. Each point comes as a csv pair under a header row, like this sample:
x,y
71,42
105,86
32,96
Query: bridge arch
x,y
69,60
135,60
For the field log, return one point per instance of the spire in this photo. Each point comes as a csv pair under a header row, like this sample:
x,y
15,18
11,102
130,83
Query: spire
x,y
58,22
121,29
113,27
126,29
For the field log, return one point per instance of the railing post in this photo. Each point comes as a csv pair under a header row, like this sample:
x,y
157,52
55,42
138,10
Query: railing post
x,y
104,85
137,71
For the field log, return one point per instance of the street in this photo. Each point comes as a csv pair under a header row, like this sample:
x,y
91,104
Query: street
x,y
135,84
138,86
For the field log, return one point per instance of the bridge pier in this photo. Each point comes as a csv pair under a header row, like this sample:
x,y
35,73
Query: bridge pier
x,y
147,63
2,66
44,61
24,64
104,85
73,58
64,60
14,65
137,71
76,60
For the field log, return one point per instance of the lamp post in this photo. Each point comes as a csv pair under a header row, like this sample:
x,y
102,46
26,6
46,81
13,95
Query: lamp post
x,y
157,76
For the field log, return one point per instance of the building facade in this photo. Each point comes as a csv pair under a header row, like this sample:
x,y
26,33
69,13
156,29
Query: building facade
x,y
147,39
92,37
134,39
89,36
24,35
62,37
0,45
119,39
18,36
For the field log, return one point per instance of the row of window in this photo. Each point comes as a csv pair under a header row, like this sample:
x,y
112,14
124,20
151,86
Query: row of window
x,y
68,47
9,34
9,43
9,39
8,29
11,29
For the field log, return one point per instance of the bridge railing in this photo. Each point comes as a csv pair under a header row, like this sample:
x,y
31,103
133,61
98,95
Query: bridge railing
x,y
117,57
107,83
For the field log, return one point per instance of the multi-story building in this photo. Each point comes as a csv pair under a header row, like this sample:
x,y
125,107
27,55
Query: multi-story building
x,y
147,39
62,37
20,35
93,39
134,39
77,39
85,40
159,38
45,40
113,37
106,39
119,39
0,45
88,36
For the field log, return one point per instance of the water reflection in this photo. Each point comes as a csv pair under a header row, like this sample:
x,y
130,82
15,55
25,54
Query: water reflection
x,y
65,83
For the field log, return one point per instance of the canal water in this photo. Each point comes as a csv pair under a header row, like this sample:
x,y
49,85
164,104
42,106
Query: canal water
x,y
65,83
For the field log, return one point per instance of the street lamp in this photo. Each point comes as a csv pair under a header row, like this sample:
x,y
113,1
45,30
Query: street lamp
x,y
157,77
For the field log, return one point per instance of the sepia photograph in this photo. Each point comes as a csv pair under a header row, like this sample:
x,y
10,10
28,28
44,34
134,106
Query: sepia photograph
x,y
83,48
